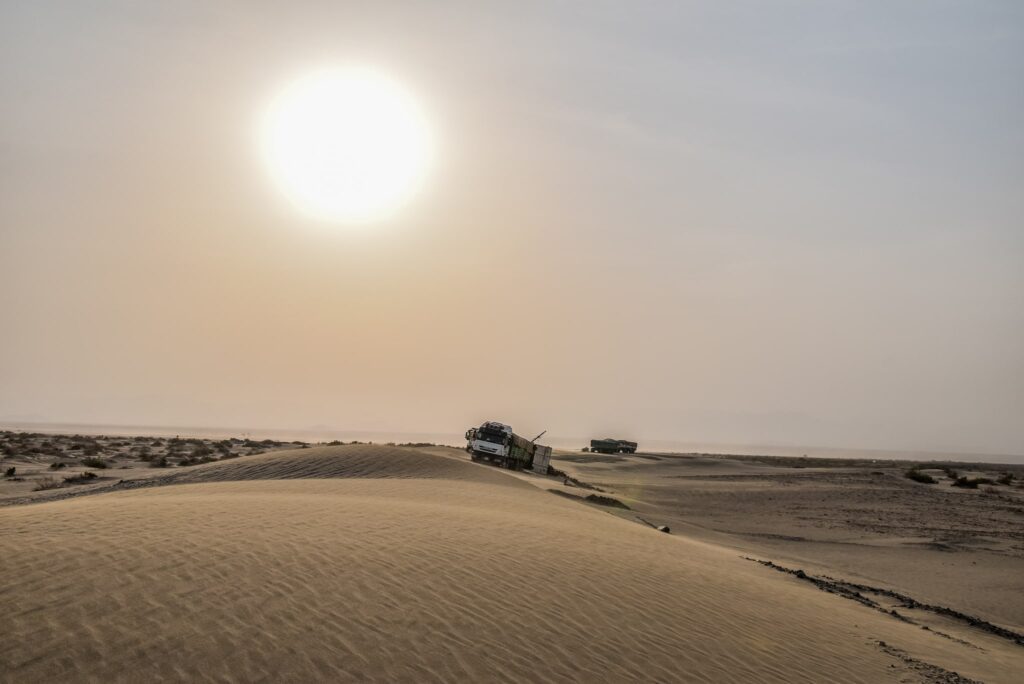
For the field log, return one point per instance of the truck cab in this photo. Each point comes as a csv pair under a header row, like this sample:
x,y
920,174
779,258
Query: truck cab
x,y
491,440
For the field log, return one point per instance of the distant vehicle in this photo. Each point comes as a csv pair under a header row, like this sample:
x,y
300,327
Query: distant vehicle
x,y
613,446
496,443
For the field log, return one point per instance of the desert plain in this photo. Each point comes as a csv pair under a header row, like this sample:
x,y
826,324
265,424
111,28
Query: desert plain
x,y
241,561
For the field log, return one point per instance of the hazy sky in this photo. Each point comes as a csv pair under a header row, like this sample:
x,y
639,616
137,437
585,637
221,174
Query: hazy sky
x,y
756,222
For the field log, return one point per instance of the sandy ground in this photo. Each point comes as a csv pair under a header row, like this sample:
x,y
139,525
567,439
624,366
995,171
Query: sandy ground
x,y
861,521
375,563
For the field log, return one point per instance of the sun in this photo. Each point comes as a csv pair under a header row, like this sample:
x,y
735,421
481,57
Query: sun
x,y
347,145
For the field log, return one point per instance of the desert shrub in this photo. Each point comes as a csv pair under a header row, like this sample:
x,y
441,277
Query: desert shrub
x,y
971,482
950,473
81,477
917,476
160,462
192,460
57,465
1005,479
94,463
47,483
10,472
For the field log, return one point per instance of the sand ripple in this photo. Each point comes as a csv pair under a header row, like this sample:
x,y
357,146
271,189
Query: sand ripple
x,y
455,573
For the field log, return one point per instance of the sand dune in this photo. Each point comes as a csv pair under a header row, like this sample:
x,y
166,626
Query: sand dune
x,y
352,461
861,521
370,563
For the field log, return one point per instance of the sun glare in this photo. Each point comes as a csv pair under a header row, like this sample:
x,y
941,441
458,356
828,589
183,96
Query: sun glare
x,y
347,145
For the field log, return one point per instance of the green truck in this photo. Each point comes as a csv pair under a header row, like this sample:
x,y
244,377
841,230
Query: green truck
x,y
612,446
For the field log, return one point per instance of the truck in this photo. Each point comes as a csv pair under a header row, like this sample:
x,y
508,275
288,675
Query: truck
x,y
495,442
613,446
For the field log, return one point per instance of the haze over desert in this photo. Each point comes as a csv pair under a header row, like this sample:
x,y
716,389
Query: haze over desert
x,y
512,342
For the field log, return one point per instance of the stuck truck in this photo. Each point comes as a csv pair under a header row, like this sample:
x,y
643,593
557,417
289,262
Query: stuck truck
x,y
613,446
496,443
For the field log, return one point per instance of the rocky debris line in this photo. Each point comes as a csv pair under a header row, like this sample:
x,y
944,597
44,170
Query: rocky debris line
x,y
591,498
605,501
570,481
856,593
70,493
930,673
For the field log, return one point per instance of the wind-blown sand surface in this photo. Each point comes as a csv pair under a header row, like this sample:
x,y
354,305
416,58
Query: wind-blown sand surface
x,y
863,521
402,564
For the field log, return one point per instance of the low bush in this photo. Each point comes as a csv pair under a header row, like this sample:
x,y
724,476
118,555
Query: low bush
x,y
10,472
81,477
47,483
1005,479
971,482
917,476
57,465
191,461
94,463
158,462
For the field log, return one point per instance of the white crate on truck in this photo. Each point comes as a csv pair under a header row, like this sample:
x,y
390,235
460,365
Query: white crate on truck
x,y
541,458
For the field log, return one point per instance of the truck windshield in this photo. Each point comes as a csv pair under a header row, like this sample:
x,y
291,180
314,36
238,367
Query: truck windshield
x,y
492,437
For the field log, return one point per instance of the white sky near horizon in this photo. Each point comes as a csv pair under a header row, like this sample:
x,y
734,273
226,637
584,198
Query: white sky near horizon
x,y
751,222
